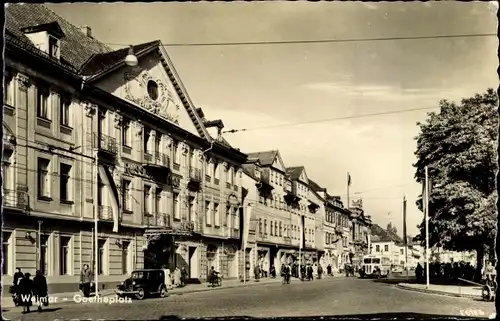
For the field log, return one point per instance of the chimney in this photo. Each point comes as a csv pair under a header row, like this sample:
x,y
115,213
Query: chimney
x,y
86,31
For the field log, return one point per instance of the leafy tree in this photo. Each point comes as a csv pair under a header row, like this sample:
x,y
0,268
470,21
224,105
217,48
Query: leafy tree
x,y
459,146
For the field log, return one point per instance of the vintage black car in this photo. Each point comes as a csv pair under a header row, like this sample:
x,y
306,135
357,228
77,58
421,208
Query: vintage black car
x,y
143,283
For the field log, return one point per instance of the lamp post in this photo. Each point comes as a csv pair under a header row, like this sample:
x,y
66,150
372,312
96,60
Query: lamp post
x,y
96,221
131,59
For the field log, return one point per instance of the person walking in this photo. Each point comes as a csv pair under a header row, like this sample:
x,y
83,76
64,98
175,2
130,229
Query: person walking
x,y
177,277
320,271
40,290
184,276
86,279
14,289
26,292
419,272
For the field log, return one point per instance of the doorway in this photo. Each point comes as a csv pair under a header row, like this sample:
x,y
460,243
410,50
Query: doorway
x,y
193,262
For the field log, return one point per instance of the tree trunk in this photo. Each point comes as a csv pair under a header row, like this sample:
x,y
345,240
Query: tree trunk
x,y
479,264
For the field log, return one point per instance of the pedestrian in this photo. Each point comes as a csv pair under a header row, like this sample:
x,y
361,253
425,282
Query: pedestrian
x,y
40,290
167,279
320,271
256,272
26,292
177,277
86,279
329,270
273,272
310,273
418,272
14,289
184,276
302,272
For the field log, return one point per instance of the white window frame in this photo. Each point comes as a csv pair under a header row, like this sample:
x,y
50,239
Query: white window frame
x,y
176,205
10,242
47,181
208,213
146,198
216,208
70,254
43,102
10,82
105,263
126,132
126,194
65,104
128,263
54,47
69,183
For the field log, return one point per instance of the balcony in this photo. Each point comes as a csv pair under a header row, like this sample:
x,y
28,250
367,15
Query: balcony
x,y
15,200
228,185
233,233
287,240
105,213
156,220
105,144
195,178
235,187
208,179
162,159
157,166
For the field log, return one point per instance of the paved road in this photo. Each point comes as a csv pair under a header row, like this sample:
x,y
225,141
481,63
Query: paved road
x,y
342,296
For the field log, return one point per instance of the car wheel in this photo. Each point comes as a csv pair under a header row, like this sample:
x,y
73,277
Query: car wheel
x,y
140,295
163,292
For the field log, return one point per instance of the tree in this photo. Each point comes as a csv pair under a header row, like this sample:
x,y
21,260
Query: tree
x,y
458,145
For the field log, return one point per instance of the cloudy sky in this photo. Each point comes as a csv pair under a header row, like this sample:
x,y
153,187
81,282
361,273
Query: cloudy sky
x,y
255,86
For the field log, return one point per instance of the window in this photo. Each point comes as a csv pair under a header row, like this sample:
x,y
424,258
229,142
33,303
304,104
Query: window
x,y
101,257
147,135
152,90
276,228
157,208
157,143
6,171
6,254
64,187
226,174
64,255
42,102
236,223
386,248
177,212
147,199
216,214
227,222
191,212
260,226
271,230
100,190
125,257
265,227
43,178
281,230
53,47
44,254
402,251
126,139
208,217
176,153
8,97
127,206
64,110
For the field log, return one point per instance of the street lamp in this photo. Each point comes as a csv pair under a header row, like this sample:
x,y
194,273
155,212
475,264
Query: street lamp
x,y
131,59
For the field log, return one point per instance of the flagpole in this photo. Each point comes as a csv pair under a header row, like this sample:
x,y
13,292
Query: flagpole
x,y
405,235
427,226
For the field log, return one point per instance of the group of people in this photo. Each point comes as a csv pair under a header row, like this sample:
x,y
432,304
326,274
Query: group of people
x,y
24,290
303,271
450,271
176,278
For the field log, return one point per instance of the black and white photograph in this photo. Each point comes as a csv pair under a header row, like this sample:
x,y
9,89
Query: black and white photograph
x,y
250,159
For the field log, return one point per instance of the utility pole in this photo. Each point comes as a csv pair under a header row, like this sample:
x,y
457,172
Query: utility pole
x,y
405,236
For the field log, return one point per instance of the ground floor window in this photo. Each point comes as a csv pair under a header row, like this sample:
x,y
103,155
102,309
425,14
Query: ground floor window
x,y
125,257
44,254
6,253
101,256
64,255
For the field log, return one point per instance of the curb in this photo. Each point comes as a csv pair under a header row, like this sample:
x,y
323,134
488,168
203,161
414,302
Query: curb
x,y
455,295
209,288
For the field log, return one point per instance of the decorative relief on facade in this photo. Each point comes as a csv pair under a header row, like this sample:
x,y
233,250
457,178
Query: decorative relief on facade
x,y
151,94
138,129
23,82
118,120
90,109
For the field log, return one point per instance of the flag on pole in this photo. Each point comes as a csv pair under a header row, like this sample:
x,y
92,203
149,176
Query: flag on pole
x,y
108,181
302,231
245,217
349,182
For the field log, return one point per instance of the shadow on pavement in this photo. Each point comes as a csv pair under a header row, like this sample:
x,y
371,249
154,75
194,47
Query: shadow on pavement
x,y
368,316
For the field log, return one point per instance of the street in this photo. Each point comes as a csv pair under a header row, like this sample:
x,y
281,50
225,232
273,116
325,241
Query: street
x,y
337,296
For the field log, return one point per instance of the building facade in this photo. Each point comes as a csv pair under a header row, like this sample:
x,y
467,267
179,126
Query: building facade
x,y
91,137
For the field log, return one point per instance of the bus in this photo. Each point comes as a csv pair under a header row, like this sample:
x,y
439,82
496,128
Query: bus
x,y
376,265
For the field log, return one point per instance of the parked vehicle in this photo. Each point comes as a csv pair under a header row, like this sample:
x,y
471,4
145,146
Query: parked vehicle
x,y
376,266
143,283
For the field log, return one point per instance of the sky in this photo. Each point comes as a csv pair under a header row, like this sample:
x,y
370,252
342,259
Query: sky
x,y
263,85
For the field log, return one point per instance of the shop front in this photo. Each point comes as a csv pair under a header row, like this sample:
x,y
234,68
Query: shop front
x,y
264,259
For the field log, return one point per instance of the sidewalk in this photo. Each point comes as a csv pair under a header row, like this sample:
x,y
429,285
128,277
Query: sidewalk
x,y
69,297
449,290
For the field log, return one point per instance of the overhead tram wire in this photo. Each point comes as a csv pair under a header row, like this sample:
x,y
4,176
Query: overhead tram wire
x,y
318,41
232,131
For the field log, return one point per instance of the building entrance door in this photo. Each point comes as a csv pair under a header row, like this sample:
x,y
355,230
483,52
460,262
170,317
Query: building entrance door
x,y
193,262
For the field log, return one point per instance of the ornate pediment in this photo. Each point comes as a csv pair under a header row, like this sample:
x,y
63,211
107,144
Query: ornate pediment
x,y
151,94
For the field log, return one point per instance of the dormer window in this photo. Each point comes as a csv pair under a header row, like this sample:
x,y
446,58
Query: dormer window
x,y
53,47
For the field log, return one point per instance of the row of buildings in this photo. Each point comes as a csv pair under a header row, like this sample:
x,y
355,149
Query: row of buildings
x,y
89,137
